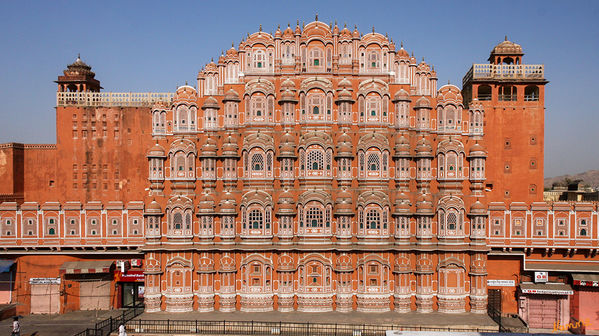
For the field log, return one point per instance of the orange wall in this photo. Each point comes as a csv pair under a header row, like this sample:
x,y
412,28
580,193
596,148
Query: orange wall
x,y
505,267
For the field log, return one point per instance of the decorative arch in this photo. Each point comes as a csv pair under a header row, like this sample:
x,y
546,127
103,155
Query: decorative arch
x,y
256,213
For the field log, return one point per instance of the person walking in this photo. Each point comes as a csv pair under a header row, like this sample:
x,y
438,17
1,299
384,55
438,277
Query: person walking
x,y
16,326
122,331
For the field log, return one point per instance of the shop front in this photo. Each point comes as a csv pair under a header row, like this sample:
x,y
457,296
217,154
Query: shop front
x,y
45,295
94,279
130,287
585,301
545,305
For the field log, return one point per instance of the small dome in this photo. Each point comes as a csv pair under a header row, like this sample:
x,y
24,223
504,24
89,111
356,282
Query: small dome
x,y
287,84
287,146
210,102
478,208
477,150
206,265
231,95
209,148
344,146
154,208
156,151
401,95
228,207
507,48
79,68
424,204
402,147
286,263
402,204
345,83
287,96
227,264
206,204
423,103
344,264
230,147
344,96
185,93
424,148
403,53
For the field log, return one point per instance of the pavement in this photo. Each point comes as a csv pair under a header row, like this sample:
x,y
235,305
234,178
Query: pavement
x,y
414,319
57,325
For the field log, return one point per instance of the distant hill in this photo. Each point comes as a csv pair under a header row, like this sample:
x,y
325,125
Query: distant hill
x,y
590,177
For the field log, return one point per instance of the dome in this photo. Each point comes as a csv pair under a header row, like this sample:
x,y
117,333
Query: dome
x,y
206,265
209,148
345,34
156,151
345,96
402,205
343,203
287,146
401,95
345,84
507,48
402,52
231,95
424,148
285,204
344,146
227,207
185,93
154,208
424,204
287,96
423,103
286,263
210,102
288,33
402,147
227,264
344,264
477,150
206,204
477,208
287,84
230,147
402,265
79,68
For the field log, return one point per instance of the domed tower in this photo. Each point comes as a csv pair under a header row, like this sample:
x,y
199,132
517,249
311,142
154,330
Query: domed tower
x,y
509,96
78,77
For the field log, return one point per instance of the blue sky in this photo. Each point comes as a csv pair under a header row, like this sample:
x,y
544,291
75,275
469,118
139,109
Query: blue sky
x,y
156,46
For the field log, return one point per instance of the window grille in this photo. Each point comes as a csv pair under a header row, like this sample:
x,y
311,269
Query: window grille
x,y
314,217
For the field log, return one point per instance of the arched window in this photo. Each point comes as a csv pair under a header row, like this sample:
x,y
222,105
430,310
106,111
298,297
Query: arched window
x,y
257,162
451,221
258,108
256,219
177,221
314,217
373,162
373,219
484,92
259,59
316,106
373,109
315,160
531,93
508,93
373,60
316,58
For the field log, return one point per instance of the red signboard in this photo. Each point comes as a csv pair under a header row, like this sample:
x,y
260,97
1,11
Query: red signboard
x,y
586,283
130,276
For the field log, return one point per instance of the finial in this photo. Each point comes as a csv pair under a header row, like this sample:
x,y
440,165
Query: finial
x,y
260,27
233,44
335,22
186,83
316,19
297,23
401,44
386,35
355,27
78,55
344,24
448,82
506,37
211,59
373,29
412,54
278,26
288,25
422,58
248,35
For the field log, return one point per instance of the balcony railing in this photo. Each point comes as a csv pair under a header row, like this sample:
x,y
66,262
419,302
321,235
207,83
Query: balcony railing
x,y
505,71
134,99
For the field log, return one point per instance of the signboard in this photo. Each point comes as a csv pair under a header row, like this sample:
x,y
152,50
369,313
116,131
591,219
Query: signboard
x,y
547,291
501,283
586,283
541,276
44,281
130,276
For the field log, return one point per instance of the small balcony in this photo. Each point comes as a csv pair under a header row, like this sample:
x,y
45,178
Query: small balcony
x,y
505,71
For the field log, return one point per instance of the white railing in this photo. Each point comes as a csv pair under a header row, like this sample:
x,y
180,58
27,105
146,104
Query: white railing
x,y
505,71
112,98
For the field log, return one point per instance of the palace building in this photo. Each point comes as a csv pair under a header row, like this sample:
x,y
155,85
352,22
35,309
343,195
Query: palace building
x,y
317,169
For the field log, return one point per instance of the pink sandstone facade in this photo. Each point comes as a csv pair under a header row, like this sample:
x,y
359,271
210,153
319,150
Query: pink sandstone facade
x,y
318,169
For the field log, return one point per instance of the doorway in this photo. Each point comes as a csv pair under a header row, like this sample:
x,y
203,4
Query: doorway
x,y
132,294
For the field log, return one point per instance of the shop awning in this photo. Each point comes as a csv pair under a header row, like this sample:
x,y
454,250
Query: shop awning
x,y
5,265
86,267
546,288
582,279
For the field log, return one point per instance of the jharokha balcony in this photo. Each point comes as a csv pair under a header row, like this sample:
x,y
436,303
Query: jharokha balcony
x,y
505,71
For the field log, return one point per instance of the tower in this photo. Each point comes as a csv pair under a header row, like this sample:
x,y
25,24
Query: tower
x,y
512,96
78,77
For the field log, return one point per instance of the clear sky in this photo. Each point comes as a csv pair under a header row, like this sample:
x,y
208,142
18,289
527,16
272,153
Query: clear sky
x,y
156,46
